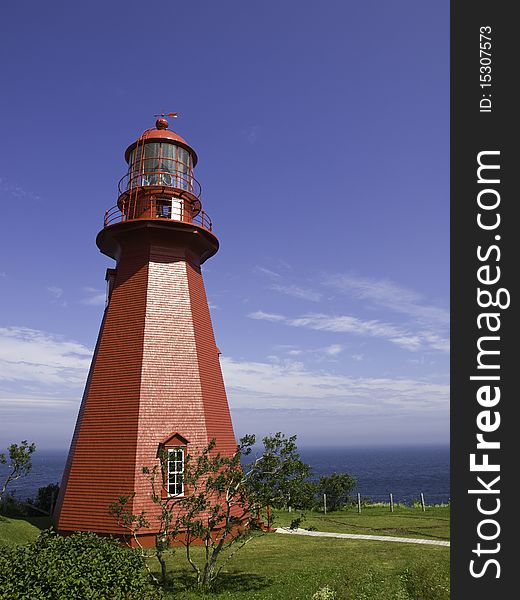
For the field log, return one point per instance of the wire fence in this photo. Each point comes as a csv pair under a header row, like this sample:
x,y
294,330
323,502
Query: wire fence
x,y
392,500
406,498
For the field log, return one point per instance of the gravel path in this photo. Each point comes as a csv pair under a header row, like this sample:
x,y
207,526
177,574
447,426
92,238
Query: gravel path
x,y
355,536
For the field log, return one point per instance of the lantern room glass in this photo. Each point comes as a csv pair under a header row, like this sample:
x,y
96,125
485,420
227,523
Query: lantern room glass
x,y
161,163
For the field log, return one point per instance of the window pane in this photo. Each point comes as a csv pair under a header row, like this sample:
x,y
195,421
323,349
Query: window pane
x,y
168,150
175,471
183,156
151,150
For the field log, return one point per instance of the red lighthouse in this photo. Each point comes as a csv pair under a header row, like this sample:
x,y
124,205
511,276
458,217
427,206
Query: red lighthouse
x,y
155,379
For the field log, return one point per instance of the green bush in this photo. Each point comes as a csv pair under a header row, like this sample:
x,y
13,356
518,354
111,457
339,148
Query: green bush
x,y
296,523
82,566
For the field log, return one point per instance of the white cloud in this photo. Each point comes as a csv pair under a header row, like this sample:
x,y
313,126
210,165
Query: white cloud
x,y
388,294
399,336
297,292
289,385
16,191
95,297
57,293
30,402
34,357
268,272
333,349
251,133
320,353
264,316
54,291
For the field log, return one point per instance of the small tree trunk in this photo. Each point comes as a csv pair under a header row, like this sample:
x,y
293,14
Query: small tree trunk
x,y
209,572
162,562
269,516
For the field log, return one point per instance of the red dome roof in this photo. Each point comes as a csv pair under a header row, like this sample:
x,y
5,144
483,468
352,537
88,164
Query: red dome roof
x,y
160,135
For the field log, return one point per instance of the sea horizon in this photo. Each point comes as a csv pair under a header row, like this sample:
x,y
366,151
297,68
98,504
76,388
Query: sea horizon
x,y
406,470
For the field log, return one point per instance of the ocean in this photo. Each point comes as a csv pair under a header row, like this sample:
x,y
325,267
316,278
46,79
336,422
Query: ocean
x,y
403,471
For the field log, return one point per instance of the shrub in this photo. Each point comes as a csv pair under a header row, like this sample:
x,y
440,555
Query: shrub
x,y
82,566
295,523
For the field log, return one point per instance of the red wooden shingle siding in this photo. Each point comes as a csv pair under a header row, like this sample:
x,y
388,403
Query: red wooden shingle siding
x,y
156,371
101,465
218,418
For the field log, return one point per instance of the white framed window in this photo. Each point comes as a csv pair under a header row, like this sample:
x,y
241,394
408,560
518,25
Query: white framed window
x,y
175,484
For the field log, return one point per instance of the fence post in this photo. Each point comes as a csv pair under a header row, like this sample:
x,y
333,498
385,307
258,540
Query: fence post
x,y
422,502
391,502
359,503
325,503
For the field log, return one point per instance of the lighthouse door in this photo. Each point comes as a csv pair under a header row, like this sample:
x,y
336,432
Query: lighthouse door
x,y
171,208
177,209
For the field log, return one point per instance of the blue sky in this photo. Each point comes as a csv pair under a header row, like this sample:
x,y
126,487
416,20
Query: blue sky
x,y
323,139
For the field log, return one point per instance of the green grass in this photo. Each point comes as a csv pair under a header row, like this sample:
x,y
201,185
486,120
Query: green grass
x,y
14,532
278,567
434,524
294,568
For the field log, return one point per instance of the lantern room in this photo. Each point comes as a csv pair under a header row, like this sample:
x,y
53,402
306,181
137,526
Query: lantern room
x,y
159,183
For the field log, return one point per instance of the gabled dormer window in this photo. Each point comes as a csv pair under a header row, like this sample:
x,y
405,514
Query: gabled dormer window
x,y
172,451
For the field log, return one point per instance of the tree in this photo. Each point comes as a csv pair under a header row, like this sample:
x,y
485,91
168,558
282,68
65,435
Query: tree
x,y
276,478
306,496
220,507
46,498
19,462
337,487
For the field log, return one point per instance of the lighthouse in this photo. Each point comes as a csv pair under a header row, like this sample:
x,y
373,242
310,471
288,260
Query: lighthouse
x,y
155,384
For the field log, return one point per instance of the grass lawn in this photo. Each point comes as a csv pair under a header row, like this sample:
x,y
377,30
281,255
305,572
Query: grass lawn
x,y
277,567
294,568
433,524
14,532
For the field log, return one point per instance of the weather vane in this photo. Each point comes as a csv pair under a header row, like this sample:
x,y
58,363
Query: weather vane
x,y
174,115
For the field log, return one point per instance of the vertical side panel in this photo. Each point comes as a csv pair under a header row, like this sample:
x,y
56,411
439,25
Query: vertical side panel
x,y
102,460
171,394
216,408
